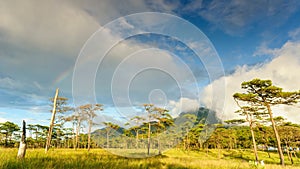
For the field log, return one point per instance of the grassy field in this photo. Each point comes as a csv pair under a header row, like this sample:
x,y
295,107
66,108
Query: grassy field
x,y
98,158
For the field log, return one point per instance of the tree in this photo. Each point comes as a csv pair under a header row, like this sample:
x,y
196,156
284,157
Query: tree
x,y
252,114
8,128
137,128
22,148
78,117
89,110
149,109
187,125
109,127
264,93
60,108
164,120
217,138
290,134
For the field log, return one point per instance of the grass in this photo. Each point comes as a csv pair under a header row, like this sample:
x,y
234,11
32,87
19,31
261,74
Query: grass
x,y
172,159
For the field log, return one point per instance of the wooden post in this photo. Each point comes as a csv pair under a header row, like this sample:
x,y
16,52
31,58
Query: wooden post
x,y
22,147
48,143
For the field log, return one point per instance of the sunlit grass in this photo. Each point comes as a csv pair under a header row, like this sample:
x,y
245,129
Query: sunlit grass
x,y
99,158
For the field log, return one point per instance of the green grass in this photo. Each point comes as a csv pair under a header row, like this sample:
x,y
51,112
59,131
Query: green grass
x,y
172,159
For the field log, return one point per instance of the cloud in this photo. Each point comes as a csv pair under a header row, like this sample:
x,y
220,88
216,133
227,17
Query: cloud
x,y
283,70
9,83
50,26
263,49
2,120
183,105
295,34
39,41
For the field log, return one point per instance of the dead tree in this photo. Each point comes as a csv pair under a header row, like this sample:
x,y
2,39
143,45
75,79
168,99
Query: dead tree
x,y
22,147
48,143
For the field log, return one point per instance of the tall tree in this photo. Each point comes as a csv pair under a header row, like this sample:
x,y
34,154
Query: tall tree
x,y
78,117
264,93
251,114
8,128
190,120
89,110
164,120
137,120
108,128
48,142
149,110
59,108
290,134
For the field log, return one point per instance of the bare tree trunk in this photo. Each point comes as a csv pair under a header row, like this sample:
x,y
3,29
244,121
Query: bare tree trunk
x,y
254,143
51,122
289,153
89,135
276,135
77,134
22,148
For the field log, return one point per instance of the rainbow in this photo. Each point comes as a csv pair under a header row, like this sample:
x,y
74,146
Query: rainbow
x,y
62,76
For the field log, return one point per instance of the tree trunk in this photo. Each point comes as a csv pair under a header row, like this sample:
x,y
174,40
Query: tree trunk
x,y
74,136
276,135
137,139
77,134
89,135
48,143
22,148
295,155
254,143
267,149
287,151
6,139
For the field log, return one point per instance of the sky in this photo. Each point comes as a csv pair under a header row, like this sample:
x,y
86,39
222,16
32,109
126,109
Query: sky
x,y
176,54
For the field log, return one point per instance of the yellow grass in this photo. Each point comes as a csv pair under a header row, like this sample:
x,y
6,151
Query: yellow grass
x,y
99,158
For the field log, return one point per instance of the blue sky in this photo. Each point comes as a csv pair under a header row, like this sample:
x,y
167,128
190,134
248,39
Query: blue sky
x,y
41,41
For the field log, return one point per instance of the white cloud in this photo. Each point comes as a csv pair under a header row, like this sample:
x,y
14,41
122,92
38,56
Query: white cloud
x,y
9,83
263,49
295,34
283,70
183,105
2,120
